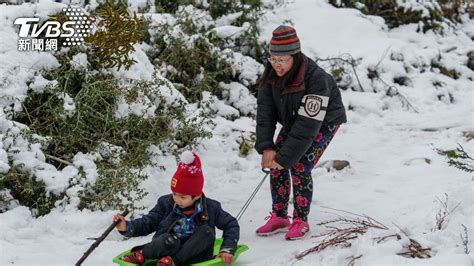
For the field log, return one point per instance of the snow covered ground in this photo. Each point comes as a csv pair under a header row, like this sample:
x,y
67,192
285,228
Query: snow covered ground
x,y
396,176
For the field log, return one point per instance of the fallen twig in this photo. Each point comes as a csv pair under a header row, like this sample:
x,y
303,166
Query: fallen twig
x,y
57,159
353,259
393,91
381,239
416,250
444,211
339,234
465,239
351,61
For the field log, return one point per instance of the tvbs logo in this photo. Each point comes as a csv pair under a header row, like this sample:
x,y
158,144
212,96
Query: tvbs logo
x,y
52,29
73,31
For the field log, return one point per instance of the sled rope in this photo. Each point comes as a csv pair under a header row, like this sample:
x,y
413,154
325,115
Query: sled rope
x,y
247,203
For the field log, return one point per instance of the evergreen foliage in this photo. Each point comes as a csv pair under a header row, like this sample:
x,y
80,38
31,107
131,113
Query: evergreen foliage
x,y
396,14
117,188
93,123
117,32
193,58
80,112
23,187
246,144
200,68
458,158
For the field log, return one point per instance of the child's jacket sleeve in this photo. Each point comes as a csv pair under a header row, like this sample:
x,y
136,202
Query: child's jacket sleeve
x,y
231,230
148,223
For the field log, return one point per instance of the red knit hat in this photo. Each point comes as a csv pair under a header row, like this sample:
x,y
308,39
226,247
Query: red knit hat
x,y
188,178
284,41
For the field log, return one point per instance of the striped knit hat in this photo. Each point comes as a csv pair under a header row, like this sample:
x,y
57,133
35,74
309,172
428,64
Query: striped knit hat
x,y
284,41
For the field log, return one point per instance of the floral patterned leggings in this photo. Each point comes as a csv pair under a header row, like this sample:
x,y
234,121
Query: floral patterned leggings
x,y
300,175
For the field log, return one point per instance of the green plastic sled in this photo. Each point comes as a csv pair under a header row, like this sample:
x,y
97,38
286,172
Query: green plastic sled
x,y
214,262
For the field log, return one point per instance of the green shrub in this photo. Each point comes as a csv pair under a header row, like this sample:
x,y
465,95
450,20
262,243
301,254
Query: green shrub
x,y
219,8
248,43
216,8
396,15
94,122
24,188
198,65
246,144
458,158
191,62
193,68
166,6
435,63
112,189
117,32
453,9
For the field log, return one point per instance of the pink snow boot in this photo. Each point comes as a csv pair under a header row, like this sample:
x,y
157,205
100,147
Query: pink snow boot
x,y
274,225
298,229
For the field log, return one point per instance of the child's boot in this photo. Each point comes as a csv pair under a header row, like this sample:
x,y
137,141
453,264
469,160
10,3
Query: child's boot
x,y
297,230
136,257
165,261
274,225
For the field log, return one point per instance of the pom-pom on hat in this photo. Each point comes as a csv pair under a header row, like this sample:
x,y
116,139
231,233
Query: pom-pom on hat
x,y
188,178
284,41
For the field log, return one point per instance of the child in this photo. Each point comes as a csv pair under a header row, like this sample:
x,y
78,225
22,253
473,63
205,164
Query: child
x,y
184,222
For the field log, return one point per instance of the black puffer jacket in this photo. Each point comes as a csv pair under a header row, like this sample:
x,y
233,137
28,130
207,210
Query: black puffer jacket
x,y
313,99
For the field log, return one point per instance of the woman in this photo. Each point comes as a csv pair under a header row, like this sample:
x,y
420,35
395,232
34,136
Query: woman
x,y
305,100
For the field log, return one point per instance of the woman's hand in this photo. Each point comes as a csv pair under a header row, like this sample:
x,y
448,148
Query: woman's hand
x,y
276,165
122,224
267,158
226,257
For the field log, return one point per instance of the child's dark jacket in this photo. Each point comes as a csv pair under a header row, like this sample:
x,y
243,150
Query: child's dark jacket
x,y
162,218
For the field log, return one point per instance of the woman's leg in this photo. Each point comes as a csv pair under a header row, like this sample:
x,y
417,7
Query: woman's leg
x,y
280,185
301,172
280,188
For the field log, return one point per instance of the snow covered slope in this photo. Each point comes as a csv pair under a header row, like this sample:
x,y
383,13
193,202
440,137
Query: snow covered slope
x,y
396,175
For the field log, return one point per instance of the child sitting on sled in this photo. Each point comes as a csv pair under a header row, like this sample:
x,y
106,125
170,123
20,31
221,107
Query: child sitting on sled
x,y
184,222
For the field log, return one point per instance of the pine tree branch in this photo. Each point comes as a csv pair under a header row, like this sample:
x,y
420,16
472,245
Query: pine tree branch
x,y
57,159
